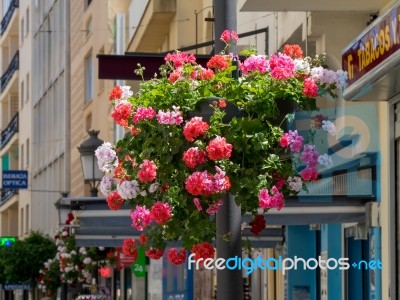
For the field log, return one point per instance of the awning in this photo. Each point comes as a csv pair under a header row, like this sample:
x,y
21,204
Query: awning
x,y
100,226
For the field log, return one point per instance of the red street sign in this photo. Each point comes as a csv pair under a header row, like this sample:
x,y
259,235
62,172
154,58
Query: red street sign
x,y
126,260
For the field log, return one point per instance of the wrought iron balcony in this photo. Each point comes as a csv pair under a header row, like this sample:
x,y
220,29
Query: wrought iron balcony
x,y
7,18
6,195
8,133
13,66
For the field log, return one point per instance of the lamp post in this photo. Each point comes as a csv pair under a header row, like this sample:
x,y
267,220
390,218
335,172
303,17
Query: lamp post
x,y
229,282
91,172
63,209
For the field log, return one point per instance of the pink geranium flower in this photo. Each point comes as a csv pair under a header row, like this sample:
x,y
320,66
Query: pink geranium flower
x,y
254,63
270,199
140,217
229,35
178,59
282,66
143,113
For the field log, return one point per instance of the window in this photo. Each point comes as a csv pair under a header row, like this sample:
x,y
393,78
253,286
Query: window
x,y
101,81
89,27
27,152
22,222
22,30
88,78
88,122
87,3
27,88
27,219
22,156
6,4
27,21
22,94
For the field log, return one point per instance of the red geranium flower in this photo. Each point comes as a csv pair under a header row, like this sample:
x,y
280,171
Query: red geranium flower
x,y
294,51
194,128
160,212
114,201
194,157
258,224
218,62
177,257
147,171
218,148
129,248
203,250
155,253
310,88
116,93
143,239
122,112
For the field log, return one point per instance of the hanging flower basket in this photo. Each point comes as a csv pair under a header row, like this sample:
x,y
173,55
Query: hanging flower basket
x,y
194,133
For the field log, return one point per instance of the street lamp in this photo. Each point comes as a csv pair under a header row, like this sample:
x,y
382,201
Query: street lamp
x,y
63,208
91,172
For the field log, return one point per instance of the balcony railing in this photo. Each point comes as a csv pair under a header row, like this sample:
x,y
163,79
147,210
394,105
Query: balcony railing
x,y
8,133
6,195
359,183
7,18
14,65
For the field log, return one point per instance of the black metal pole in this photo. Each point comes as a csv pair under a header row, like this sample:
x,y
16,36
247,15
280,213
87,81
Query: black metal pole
x,y
229,282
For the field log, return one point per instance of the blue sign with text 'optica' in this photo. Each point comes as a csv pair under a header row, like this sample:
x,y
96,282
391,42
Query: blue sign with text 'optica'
x,y
15,179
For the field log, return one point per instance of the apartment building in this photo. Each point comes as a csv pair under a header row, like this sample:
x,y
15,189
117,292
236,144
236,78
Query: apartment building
x,y
11,102
25,114
50,111
34,112
94,30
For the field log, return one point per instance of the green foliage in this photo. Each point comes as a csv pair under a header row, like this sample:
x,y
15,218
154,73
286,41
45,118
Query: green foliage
x,y
22,261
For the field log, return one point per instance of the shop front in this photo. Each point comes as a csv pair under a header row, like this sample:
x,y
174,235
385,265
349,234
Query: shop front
x,y
372,61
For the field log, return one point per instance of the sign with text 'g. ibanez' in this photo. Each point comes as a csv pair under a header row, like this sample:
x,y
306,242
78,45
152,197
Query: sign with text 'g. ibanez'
x,y
15,179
